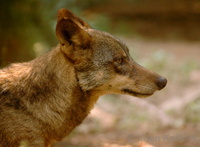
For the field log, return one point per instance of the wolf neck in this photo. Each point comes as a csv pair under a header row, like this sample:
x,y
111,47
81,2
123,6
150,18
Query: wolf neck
x,y
65,103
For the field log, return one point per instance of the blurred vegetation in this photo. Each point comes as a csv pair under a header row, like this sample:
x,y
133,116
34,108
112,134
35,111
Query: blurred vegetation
x,y
27,24
191,112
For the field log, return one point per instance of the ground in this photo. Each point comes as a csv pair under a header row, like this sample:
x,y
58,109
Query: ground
x,y
170,118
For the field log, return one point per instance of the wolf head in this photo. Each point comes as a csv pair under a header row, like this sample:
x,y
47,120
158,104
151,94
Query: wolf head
x,y
102,63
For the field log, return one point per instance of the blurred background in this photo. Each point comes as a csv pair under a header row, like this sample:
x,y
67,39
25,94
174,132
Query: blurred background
x,y
163,36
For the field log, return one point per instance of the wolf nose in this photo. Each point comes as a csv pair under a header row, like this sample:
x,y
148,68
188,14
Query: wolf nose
x,y
161,82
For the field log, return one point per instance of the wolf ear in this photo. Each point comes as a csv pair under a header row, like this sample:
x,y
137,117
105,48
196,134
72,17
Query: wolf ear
x,y
66,14
70,29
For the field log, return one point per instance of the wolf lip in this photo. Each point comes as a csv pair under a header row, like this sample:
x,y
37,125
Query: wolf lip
x,y
128,91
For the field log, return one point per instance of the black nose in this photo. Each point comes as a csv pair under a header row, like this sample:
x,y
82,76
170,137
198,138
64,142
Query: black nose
x,y
161,82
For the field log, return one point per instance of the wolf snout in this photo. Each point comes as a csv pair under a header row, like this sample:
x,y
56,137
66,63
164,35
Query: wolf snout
x,y
161,82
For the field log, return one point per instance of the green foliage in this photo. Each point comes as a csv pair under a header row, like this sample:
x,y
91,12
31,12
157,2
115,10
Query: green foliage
x,y
192,112
123,28
28,22
157,61
101,22
189,66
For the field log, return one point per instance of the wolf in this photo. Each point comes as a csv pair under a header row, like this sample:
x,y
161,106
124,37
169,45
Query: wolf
x,y
43,100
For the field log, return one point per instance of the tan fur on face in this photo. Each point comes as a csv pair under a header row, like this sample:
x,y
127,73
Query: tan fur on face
x,y
118,82
123,82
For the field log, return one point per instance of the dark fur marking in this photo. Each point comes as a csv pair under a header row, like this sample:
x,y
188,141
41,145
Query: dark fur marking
x,y
120,69
4,93
14,103
67,28
128,91
67,35
39,90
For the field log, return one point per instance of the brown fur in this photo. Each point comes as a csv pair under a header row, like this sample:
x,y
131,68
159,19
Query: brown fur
x,y
43,100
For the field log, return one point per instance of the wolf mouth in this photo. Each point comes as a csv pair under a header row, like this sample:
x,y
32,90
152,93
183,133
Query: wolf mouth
x,y
128,91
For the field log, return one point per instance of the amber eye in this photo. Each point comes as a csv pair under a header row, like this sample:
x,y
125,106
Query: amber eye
x,y
120,60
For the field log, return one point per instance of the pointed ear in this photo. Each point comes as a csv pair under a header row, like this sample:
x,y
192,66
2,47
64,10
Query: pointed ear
x,y
66,14
69,32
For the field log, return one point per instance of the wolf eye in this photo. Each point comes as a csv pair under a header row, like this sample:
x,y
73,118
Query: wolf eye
x,y
120,60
